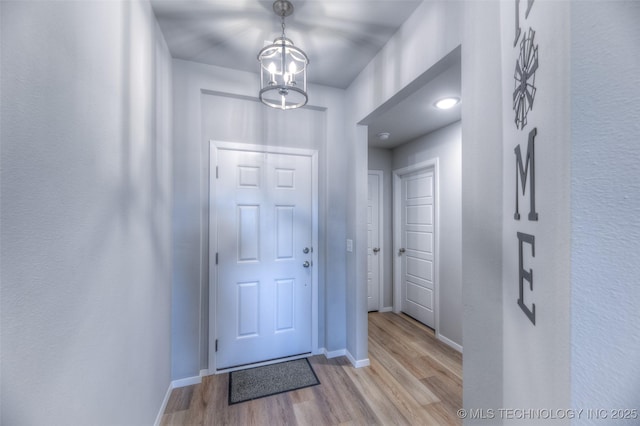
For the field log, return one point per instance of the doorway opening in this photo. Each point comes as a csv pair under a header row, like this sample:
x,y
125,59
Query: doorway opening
x,y
415,234
375,240
422,266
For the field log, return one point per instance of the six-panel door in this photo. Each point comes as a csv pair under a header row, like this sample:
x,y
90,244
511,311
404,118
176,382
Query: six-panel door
x,y
264,225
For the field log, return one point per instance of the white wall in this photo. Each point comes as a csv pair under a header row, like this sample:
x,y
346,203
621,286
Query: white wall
x,y
381,159
444,144
85,219
536,357
482,209
227,110
605,209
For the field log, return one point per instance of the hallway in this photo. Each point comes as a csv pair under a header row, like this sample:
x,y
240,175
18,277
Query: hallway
x,y
413,379
108,274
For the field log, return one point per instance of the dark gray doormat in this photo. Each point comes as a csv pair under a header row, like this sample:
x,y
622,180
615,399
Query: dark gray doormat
x,y
258,382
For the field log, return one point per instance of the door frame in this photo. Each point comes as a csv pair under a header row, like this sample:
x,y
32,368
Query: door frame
x,y
380,174
398,174
214,147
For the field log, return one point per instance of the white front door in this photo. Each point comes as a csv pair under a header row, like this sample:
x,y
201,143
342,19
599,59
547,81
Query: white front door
x,y
263,207
417,246
373,241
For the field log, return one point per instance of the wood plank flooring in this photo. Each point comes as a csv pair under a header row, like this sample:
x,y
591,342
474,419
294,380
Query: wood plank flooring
x,y
413,379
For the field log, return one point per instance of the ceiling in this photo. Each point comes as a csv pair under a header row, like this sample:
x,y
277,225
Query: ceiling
x,y
412,113
340,37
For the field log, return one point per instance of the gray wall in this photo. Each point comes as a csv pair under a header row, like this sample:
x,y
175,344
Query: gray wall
x,y
605,209
85,218
444,144
213,102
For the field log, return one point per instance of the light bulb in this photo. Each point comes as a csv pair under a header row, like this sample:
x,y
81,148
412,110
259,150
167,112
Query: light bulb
x,y
447,103
272,70
290,78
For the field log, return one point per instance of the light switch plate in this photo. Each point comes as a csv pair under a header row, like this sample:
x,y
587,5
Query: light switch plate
x,y
349,245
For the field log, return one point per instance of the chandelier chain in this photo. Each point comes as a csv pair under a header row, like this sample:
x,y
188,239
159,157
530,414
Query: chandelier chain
x,y
283,68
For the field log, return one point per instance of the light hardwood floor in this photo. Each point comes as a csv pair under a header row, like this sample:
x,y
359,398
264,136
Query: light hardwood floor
x,y
413,379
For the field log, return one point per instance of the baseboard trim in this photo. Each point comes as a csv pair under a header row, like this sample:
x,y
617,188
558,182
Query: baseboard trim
x,y
163,406
358,363
386,309
187,381
449,342
180,383
335,354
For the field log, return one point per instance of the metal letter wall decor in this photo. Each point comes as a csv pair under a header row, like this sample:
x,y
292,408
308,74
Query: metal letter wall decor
x,y
522,172
526,274
524,93
526,15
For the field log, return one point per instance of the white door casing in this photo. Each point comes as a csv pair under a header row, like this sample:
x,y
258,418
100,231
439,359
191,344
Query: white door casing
x,y
263,215
374,240
416,242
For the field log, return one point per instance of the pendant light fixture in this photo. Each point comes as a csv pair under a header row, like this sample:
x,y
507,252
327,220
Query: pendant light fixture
x,y
283,68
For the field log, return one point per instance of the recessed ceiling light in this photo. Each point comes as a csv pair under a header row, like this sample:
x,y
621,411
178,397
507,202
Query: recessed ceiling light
x,y
447,103
383,136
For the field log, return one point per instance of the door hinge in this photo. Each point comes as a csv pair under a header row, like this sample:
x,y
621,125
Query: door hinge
x,y
216,172
216,258
216,345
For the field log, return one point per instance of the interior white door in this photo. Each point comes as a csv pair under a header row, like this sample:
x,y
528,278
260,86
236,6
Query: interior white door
x,y
264,282
417,246
373,242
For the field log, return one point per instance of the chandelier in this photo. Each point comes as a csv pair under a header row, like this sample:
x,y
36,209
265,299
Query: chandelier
x,y
283,68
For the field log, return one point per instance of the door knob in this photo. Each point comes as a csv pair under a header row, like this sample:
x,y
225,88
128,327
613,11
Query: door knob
x,y
402,250
305,250
376,249
306,264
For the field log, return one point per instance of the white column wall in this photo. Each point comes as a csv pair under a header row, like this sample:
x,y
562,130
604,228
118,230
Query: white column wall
x,y
482,210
